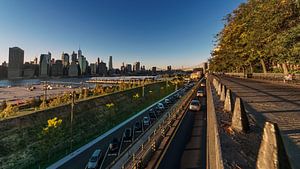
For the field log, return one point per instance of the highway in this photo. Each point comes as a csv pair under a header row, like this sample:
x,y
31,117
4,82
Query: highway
x,y
188,146
81,158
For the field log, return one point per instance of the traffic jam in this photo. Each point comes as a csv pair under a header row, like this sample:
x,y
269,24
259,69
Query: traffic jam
x,y
102,158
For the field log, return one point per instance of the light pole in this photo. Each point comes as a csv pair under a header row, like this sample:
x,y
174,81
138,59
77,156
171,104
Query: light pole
x,y
143,91
71,118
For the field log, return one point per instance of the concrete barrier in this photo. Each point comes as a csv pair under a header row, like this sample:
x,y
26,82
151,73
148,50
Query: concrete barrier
x,y
272,154
228,101
214,158
223,93
240,122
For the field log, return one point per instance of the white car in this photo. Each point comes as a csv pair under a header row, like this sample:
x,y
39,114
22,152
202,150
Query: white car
x,y
161,106
195,105
94,160
200,93
146,121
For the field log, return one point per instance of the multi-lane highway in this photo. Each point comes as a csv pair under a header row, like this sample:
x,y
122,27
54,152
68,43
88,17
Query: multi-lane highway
x,y
80,157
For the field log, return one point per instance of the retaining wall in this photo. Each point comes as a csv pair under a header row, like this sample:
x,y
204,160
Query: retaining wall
x,y
213,148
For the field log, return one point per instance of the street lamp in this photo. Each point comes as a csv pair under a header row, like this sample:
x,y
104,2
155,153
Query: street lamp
x,y
72,116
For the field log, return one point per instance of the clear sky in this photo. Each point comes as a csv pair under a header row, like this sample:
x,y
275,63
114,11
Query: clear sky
x,y
155,32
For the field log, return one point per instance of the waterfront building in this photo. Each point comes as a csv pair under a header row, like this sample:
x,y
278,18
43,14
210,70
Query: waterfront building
x,y
110,64
137,66
30,69
169,68
3,72
4,64
154,69
73,69
15,63
93,67
128,68
82,64
74,57
57,68
102,69
66,62
45,64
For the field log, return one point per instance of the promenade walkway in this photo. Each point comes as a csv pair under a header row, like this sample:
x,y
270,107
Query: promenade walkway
x,y
272,102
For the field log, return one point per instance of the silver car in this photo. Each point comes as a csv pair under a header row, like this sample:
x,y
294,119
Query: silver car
x,y
94,160
195,105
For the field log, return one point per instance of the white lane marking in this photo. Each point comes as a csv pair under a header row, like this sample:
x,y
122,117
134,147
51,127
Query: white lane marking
x,y
96,140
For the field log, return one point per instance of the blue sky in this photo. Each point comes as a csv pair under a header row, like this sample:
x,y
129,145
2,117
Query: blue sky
x,y
155,32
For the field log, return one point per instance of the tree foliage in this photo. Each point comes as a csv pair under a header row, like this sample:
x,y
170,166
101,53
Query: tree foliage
x,y
258,32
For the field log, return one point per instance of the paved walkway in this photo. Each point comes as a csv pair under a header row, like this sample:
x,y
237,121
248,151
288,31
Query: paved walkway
x,y
276,103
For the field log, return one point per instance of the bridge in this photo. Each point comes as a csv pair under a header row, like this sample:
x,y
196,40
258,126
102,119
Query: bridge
x,y
243,123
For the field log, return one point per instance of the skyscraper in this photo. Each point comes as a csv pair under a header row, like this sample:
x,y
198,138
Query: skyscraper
x,y
137,66
45,60
65,59
110,64
15,63
74,57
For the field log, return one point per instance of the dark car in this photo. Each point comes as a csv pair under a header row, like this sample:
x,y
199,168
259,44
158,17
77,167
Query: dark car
x,y
138,127
152,117
127,135
114,145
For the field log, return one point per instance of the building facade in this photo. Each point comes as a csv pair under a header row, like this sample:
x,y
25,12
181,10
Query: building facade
x,y
15,63
45,64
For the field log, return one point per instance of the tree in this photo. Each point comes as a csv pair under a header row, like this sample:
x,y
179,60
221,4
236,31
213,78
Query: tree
x,y
9,111
258,32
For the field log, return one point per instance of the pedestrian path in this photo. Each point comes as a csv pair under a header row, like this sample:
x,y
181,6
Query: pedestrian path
x,y
272,102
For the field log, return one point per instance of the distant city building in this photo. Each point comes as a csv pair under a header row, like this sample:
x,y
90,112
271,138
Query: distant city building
x,y
35,61
169,68
153,69
74,57
123,68
143,68
93,67
3,72
4,64
45,64
110,64
73,69
66,63
128,68
65,59
102,69
137,66
15,63
57,68
82,64
30,69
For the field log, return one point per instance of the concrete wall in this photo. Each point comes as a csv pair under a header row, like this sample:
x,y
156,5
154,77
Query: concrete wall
x,y
63,111
213,148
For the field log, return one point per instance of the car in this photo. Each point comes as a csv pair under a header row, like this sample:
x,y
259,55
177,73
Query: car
x,y
138,127
114,145
167,101
94,160
152,117
127,137
161,106
200,93
146,121
195,105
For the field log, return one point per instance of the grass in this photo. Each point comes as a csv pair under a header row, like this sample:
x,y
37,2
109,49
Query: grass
x,y
85,123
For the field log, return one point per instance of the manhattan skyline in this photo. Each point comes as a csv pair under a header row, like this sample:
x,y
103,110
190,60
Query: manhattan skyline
x,y
177,33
